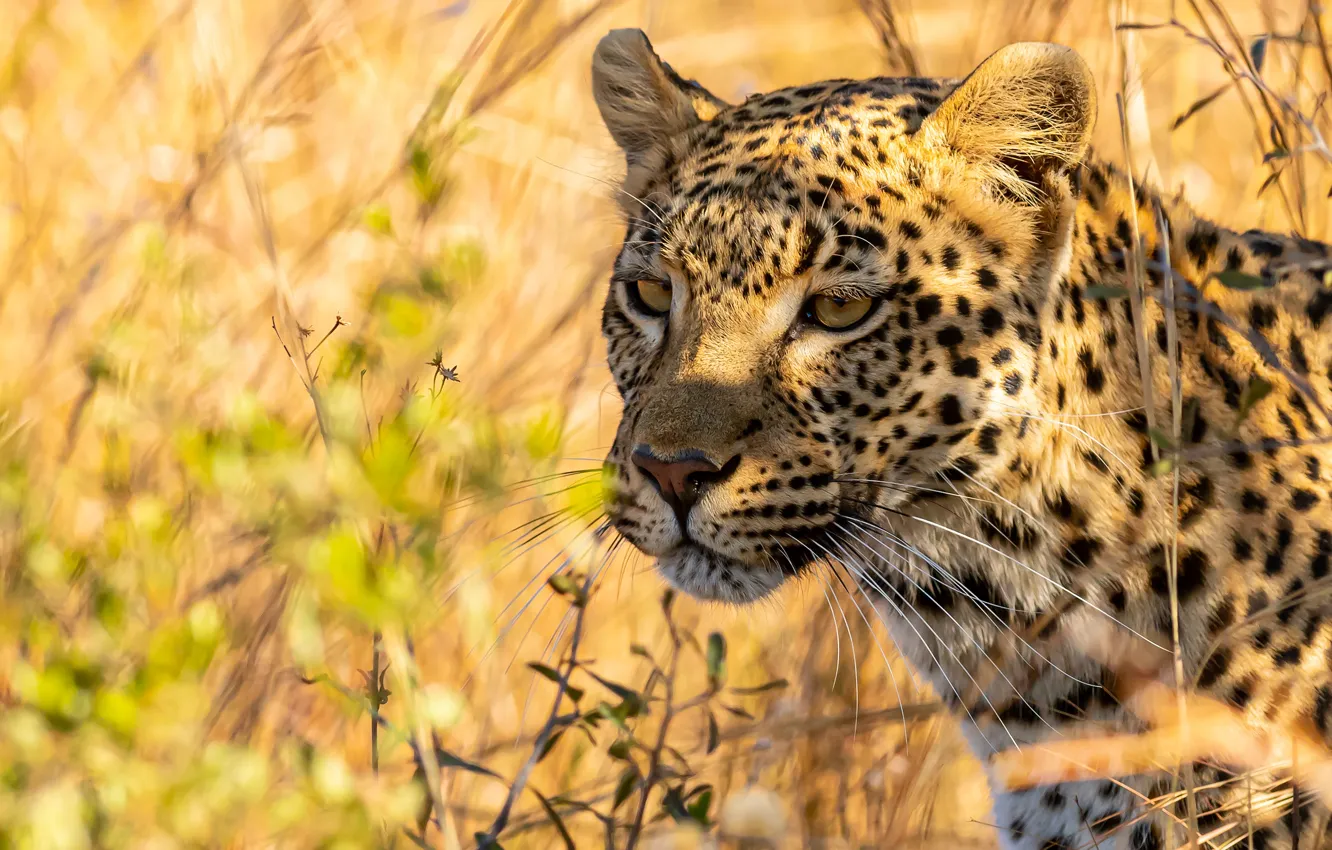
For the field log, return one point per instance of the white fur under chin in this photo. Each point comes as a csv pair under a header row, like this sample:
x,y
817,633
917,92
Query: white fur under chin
x,y
705,575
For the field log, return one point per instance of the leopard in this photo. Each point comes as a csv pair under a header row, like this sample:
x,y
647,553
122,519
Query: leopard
x,y
918,331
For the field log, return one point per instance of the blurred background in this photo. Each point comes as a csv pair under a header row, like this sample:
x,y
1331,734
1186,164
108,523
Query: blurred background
x,y
303,405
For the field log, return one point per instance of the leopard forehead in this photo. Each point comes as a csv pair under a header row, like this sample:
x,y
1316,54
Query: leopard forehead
x,y
843,125
765,189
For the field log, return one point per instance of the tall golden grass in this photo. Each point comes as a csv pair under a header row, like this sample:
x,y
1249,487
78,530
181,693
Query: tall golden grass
x,y
243,244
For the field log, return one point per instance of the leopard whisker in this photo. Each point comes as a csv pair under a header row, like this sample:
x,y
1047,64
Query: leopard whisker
x,y
559,632
1077,432
515,554
471,523
892,676
864,575
539,528
1009,408
559,522
1047,579
980,649
953,582
1042,576
525,483
984,606
900,485
1014,505
855,664
541,576
597,533
646,205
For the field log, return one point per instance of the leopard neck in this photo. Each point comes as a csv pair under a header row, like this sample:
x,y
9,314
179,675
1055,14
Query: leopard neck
x,y
1085,382
1089,333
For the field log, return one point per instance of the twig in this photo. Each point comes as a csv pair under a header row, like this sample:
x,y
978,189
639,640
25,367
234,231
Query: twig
x,y
425,754
552,721
1138,289
1177,412
374,703
337,323
654,759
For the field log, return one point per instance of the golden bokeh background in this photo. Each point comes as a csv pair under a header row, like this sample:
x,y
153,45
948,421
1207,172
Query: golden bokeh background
x,y
186,183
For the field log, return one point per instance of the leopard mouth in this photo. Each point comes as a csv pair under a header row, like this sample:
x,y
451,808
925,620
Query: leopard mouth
x,y
703,573
695,565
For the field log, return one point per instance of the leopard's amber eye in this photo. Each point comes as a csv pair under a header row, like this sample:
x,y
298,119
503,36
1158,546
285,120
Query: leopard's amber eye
x,y
653,295
836,313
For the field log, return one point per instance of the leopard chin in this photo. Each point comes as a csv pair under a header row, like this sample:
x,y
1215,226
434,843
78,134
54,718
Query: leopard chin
x,y
709,576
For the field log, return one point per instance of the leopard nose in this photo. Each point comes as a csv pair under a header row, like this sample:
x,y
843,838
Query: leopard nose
x,y
683,479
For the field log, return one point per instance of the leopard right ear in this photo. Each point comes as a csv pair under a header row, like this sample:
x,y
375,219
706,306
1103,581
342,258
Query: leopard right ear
x,y
643,102
1025,114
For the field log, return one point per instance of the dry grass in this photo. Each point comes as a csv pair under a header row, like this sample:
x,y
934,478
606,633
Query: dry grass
x,y
202,506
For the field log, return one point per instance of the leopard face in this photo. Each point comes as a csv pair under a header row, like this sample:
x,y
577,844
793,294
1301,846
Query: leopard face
x,y
824,297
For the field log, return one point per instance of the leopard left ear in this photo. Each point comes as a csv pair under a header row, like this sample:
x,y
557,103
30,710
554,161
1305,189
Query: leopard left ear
x,y
1027,112
643,102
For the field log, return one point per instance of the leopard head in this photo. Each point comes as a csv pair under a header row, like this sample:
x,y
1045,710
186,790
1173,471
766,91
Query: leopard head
x,y
826,298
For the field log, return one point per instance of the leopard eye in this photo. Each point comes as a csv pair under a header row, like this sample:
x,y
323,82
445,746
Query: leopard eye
x,y
838,314
652,296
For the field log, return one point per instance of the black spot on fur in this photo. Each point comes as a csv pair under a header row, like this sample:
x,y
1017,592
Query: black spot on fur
x,y
927,307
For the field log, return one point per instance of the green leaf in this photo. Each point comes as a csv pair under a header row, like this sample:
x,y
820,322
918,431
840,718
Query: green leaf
x,y
1238,280
1198,105
543,437
763,688
428,188
1267,184
96,367
1101,292
545,670
619,750
555,820
447,759
618,714
1161,439
378,219
716,657
624,787
619,690
673,803
714,734
549,745
698,810
1161,467
737,711
611,713
427,802
566,585
404,315
1258,52
550,673
1255,392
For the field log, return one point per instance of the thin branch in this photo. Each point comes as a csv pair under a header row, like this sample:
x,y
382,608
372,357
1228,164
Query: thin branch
x,y
552,721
